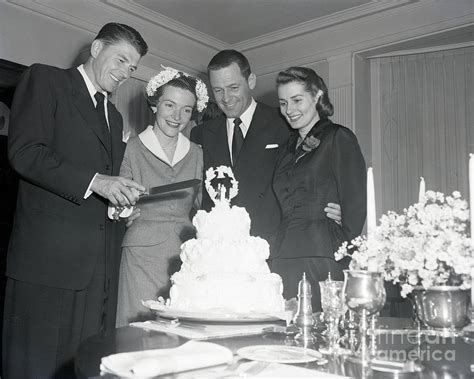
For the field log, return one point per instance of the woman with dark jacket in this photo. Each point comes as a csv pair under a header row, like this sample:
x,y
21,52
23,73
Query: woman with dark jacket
x,y
321,163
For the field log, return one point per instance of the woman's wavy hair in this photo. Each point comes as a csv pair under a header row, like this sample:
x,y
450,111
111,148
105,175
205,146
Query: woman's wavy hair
x,y
312,83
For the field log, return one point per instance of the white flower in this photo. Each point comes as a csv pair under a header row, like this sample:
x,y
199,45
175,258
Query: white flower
x,y
170,73
406,289
340,253
201,94
425,245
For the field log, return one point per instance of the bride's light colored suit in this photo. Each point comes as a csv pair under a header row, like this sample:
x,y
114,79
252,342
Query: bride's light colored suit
x,y
151,246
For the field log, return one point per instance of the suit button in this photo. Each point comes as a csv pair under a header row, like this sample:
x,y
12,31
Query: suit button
x,y
107,167
101,227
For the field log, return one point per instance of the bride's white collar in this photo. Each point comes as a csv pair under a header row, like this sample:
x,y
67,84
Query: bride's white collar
x,y
149,139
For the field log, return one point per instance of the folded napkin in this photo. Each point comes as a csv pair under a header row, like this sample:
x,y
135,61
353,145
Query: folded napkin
x,y
201,331
150,363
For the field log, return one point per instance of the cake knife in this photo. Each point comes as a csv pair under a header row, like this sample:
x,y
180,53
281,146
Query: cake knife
x,y
167,188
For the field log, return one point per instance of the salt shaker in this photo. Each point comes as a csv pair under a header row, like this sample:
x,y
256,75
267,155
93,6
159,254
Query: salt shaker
x,y
304,314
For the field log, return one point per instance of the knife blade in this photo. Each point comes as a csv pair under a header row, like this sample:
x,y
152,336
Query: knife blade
x,y
167,188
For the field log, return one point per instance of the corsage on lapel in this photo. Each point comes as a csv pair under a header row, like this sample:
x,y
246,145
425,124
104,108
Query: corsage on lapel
x,y
310,143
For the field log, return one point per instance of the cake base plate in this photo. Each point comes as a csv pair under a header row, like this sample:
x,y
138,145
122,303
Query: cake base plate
x,y
215,317
167,312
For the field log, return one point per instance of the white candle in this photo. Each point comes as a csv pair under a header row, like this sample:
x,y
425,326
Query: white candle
x,y
421,191
371,223
471,193
471,214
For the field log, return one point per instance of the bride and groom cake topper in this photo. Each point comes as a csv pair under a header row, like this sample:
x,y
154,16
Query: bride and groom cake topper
x,y
221,184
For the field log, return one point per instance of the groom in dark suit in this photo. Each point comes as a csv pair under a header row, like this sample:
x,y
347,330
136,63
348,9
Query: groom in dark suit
x,y
247,139
65,142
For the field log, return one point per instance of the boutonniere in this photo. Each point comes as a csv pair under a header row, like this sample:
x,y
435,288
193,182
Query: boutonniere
x,y
310,143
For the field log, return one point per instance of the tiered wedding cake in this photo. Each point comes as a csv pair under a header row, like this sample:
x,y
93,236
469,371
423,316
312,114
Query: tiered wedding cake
x,y
224,269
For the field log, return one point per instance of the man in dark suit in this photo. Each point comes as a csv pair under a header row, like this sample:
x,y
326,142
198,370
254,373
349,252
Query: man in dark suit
x,y
65,142
262,131
247,139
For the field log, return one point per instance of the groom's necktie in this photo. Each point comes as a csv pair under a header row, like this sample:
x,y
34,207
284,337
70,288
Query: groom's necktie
x,y
237,140
101,111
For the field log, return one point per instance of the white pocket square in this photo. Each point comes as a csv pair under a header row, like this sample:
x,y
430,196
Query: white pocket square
x,y
271,146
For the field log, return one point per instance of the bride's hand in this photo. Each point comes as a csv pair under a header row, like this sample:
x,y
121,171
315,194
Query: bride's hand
x,y
333,211
135,214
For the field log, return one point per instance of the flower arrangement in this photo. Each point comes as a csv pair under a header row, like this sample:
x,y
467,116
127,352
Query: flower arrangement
x,y
168,74
427,245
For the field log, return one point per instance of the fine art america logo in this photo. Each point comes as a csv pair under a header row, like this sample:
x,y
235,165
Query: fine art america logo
x,y
412,345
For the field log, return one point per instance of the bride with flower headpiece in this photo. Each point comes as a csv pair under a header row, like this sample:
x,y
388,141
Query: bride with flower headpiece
x,y
160,155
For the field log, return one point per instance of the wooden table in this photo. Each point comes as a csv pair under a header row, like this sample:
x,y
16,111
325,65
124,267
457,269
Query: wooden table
x,y
442,357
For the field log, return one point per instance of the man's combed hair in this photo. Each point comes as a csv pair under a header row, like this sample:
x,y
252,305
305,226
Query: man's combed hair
x,y
225,58
312,83
113,32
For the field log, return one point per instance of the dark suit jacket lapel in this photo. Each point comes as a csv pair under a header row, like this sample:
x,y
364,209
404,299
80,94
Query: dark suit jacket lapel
x,y
116,130
220,144
84,104
115,124
254,142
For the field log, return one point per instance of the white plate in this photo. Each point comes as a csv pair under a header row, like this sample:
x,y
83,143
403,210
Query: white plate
x,y
209,316
279,354
214,317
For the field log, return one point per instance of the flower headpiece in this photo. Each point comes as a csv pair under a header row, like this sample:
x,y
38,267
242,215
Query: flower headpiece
x,y
168,74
